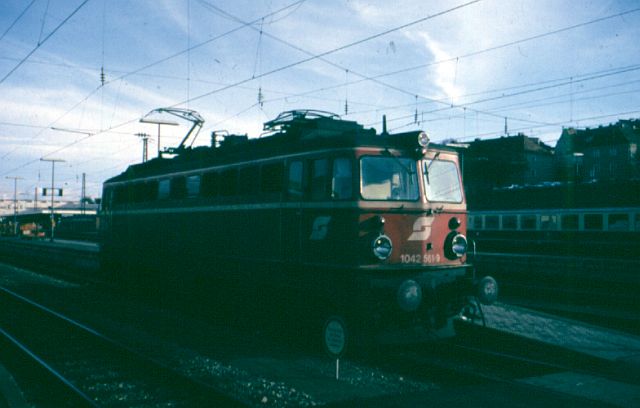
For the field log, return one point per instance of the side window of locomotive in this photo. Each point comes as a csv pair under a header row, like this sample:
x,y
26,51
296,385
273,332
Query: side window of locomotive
x,y
441,181
248,179
342,181
178,188
193,186
229,182
122,194
618,222
209,184
593,222
295,188
145,191
271,178
164,187
319,179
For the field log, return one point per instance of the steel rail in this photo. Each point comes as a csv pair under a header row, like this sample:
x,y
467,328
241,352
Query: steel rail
x,y
60,378
196,384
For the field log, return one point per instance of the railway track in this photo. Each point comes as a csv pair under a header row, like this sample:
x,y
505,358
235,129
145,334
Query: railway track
x,y
84,368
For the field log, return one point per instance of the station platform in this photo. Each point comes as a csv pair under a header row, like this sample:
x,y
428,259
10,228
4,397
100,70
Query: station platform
x,y
573,335
621,349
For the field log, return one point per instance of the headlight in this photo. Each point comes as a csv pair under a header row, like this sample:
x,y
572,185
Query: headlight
x,y
409,295
455,245
459,245
382,247
423,139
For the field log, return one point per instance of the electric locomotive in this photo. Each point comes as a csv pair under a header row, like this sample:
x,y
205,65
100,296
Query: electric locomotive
x,y
319,215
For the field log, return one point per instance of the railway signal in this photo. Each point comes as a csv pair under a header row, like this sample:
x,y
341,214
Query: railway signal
x,y
53,169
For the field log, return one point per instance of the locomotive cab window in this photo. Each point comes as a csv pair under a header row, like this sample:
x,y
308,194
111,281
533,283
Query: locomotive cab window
x,y
441,181
388,178
342,181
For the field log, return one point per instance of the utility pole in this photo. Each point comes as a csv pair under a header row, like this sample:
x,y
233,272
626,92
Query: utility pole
x,y
15,202
145,140
53,169
83,204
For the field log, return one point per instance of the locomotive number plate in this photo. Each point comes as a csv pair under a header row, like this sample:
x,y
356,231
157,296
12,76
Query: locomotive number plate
x,y
419,258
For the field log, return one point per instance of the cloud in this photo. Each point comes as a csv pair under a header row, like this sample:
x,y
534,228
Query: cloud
x,y
445,78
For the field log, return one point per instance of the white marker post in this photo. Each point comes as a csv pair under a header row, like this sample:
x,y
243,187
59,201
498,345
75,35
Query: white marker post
x,y
335,340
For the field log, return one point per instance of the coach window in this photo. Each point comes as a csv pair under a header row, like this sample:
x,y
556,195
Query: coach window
x,y
477,222
319,179
295,188
593,221
229,182
528,222
342,181
570,222
209,184
618,222
548,222
164,186
510,222
491,222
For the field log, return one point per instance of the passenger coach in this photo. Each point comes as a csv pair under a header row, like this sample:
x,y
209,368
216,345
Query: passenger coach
x,y
318,215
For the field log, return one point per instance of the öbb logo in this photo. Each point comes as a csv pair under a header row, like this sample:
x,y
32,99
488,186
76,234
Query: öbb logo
x,y
421,229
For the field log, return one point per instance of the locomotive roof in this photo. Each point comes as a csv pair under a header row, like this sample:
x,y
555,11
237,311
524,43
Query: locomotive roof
x,y
291,132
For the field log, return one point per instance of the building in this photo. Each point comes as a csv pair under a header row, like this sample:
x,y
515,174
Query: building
x,y
7,206
603,153
507,161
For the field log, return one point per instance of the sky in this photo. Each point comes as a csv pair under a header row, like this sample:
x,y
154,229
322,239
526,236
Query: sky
x,y
76,76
